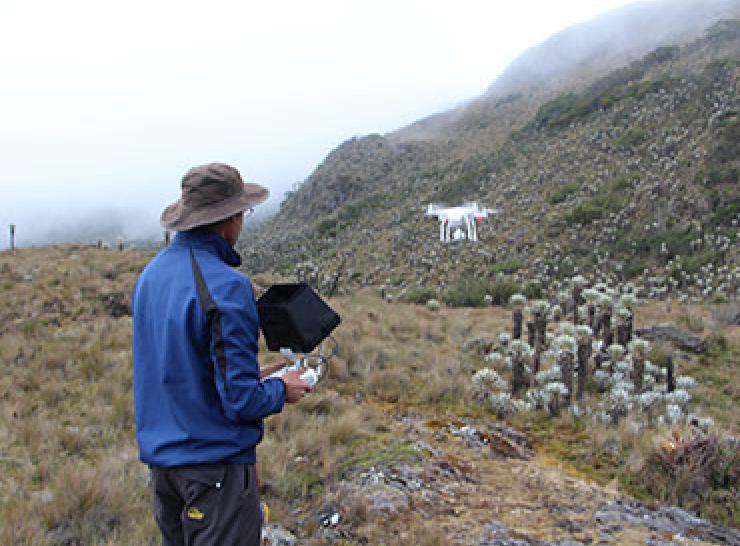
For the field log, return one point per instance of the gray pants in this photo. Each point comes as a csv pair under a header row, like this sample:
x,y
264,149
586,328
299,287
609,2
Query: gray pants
x,y
207,505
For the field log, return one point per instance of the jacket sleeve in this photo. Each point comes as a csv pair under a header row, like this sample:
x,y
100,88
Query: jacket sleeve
x,y
234,335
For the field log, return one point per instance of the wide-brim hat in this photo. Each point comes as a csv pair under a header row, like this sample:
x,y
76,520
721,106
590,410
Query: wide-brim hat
x,y
211,193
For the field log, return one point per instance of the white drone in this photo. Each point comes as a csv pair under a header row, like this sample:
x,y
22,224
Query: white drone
x,y
457,223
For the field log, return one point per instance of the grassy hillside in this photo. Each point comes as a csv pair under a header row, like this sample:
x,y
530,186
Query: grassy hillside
x,y
635,170
393,404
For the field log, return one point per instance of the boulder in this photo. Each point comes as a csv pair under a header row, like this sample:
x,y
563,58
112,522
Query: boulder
x,y
681,339
666,519
387,500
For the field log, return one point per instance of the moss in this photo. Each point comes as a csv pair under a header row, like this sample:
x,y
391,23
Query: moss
x,y
571,441
379,450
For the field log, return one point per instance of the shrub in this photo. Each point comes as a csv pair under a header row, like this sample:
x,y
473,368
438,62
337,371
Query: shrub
x,y
586,213
634,267
562,193
716,176
462,187
693,264
631,137
624,182
351,211
660,55
470,291
507,266
532,291
696,472
327,227
676,242
419,295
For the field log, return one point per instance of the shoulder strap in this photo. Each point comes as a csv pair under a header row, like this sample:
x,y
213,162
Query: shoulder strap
x,y
213,315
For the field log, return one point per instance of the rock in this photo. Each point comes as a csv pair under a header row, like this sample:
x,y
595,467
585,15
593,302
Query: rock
x,y
386,500
496,533
658,542
683,340
274,534
471,436
666,519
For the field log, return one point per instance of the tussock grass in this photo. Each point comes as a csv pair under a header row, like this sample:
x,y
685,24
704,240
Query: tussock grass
x,y
68,460
69,469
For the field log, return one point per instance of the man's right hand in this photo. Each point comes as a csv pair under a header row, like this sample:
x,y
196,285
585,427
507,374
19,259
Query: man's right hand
x,y
295,387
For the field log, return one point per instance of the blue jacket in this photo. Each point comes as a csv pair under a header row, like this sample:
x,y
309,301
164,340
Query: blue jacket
x,y
197,393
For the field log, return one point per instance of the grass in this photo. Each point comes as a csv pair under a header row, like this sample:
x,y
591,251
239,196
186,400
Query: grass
x,y
68,461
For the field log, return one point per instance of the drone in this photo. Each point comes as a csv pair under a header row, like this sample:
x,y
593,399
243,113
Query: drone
x,y
456,223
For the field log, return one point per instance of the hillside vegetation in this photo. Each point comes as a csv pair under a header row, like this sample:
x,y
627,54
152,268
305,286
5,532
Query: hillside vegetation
x,y
394,439
630,175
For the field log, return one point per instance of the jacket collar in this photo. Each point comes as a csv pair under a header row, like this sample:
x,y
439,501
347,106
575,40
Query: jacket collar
x,y
205,239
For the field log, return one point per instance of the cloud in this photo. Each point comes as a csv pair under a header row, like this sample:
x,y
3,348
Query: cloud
x,y
105,105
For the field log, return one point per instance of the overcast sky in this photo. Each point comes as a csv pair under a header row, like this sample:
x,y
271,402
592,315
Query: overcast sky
x,y
104,105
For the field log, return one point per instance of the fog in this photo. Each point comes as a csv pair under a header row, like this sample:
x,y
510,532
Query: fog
x,y
104,106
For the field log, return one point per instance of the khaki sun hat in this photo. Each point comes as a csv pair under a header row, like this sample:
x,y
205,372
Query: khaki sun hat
x,y
211,193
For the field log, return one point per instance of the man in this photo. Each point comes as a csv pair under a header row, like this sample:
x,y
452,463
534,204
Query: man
x,y
199,397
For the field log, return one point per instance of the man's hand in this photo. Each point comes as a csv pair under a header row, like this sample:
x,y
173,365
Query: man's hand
x,y
266,371
295,387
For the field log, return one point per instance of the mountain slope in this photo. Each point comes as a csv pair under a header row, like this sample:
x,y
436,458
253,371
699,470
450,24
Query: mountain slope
x,y
621,173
